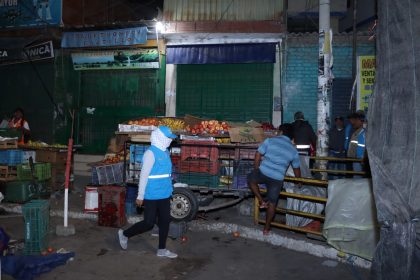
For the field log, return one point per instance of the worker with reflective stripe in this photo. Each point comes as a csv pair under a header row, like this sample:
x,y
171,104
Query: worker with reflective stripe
x,y
357,141
155,190
303,134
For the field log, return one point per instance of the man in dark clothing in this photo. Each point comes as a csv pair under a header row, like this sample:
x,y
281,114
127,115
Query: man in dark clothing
x,y
336,147
303,134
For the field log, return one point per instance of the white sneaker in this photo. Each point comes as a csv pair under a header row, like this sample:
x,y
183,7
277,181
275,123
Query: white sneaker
x,y
122,239
166,253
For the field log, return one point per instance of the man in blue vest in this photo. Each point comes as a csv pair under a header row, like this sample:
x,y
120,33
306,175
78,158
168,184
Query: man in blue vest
x,y
357,143
155,191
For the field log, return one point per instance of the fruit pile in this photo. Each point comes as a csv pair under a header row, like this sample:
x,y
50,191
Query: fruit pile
x,y
173,124
38,144
267,126
210,127
145,122
113,159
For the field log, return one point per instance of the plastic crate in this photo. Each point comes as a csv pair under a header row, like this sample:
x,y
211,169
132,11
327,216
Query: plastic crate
x,y
130,208
200,166
42,171
137,151
37,216
199,149
131,193
108,174
199,179
246,153
11,157
111,206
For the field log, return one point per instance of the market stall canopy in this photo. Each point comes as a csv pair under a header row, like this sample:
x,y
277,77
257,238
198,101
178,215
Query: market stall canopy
x,y
217,54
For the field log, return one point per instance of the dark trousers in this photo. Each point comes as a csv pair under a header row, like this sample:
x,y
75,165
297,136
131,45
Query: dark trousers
x,y
161,209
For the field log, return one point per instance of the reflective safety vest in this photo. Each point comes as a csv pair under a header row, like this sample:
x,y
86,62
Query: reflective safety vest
x,y
159,183
360,142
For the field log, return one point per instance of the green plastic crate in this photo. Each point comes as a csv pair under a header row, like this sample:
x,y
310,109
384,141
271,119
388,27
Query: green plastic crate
x,y
23,191
198,179
42,171
37,218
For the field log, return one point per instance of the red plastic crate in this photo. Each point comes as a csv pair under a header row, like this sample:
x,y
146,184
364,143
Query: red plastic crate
x,y
201,166
111,206
199,149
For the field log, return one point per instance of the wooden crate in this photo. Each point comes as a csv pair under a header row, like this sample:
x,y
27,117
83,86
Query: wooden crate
x,y
55,157
8,144
8,173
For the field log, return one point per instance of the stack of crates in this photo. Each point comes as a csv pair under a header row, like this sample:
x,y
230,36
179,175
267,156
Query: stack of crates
x,y
136,156
111,206
199,164
36,215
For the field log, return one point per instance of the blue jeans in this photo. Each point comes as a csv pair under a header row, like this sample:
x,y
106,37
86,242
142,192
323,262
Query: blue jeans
x,y
336,165
357,166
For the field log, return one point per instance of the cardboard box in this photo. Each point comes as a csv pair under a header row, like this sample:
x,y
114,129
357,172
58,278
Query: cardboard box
x,y
51,156
246,135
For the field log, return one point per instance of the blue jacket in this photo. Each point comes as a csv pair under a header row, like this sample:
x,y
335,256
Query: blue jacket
x,y
361,143
159,183
347,132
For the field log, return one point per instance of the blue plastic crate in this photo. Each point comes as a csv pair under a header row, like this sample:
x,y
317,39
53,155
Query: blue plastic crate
x,y
11,157
131,193
136,152
130,208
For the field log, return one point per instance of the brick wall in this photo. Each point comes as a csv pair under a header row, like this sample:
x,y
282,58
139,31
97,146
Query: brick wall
x,y
300,79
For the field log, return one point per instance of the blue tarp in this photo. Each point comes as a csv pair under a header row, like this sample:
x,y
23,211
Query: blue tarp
x,y
29,267
216,54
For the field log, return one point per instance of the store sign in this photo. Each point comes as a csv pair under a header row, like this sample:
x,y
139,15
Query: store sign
x,y
105,38
36,52
110,60
366,69
40,51
29,13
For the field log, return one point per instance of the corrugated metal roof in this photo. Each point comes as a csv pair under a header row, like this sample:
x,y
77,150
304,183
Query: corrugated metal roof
x,y
215,10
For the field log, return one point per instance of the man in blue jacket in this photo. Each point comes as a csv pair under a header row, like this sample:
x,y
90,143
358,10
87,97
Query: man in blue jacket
x,y
278,152
357,143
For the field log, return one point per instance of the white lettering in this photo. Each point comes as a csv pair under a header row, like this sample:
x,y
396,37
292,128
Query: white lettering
x,y
8,3
39,51
3,53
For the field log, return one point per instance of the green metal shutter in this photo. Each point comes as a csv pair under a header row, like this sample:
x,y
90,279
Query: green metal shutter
x,y
236,92
117,96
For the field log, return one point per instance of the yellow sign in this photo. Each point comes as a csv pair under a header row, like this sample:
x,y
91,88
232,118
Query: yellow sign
x,y
366,68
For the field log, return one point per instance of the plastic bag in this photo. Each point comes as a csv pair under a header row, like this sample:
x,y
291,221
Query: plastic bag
x,y
350,217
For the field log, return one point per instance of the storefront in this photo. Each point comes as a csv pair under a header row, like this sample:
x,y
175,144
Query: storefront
x,y
235,81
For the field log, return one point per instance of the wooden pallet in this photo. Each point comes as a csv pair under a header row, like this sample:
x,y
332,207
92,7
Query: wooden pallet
x,y
8,144
8,173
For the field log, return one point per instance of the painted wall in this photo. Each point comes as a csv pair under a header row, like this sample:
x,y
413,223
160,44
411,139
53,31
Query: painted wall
x,y
301,65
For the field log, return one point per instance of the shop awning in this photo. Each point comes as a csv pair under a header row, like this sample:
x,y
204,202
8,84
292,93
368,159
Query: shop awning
x,y
216,54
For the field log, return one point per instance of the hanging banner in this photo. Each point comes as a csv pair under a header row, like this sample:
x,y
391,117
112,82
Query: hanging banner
x,y
29,13
110,60
366,68
105,38
32,53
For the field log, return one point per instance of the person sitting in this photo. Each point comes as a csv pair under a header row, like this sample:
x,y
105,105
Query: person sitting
x,y
18,121
279,152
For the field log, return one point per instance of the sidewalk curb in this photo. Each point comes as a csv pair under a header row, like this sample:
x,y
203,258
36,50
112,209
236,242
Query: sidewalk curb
x,y
304,246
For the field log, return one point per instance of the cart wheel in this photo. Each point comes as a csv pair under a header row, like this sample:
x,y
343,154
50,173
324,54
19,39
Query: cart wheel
x,y
184,205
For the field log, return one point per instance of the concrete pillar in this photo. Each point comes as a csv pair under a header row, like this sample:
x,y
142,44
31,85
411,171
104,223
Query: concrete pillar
x,y
276,119
170,90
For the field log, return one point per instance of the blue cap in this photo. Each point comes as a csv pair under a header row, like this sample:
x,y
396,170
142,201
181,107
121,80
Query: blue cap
x,y
167,132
